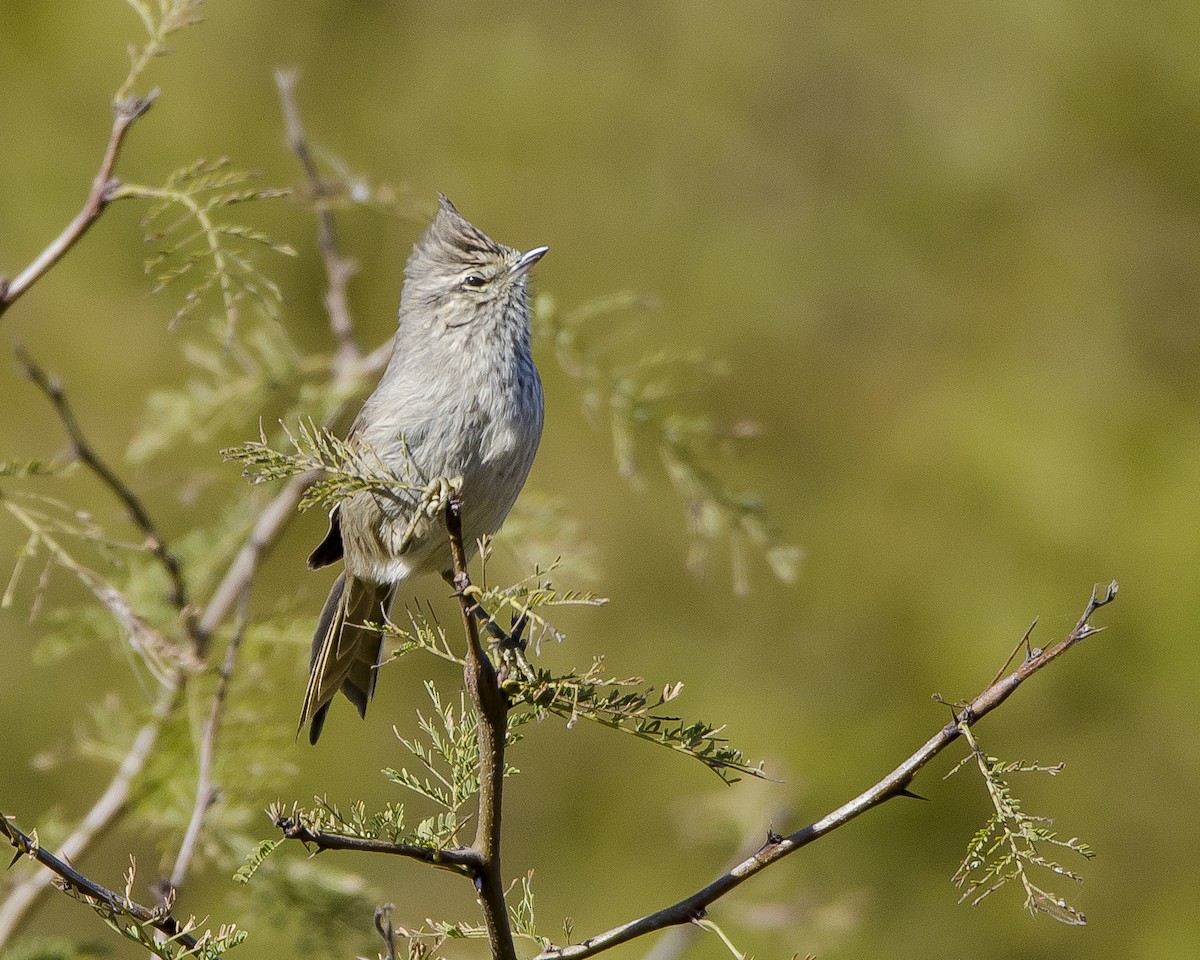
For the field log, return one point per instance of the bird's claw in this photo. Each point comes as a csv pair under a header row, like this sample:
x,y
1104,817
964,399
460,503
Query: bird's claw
x,y
432,503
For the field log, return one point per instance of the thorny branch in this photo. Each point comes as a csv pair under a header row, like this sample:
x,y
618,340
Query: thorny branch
x,y
895,784
491,709
462,860
104,187
161,920
104,813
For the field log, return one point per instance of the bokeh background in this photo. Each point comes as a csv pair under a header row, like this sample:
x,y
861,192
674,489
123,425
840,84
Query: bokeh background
x,y
949,254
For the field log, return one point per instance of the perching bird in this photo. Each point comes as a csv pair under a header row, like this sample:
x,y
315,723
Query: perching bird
x,y
460,398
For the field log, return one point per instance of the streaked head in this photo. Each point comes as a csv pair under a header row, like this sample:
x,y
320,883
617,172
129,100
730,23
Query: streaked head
x,y
461,274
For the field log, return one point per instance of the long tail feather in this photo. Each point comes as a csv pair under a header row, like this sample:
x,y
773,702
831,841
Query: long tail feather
x,y
345,655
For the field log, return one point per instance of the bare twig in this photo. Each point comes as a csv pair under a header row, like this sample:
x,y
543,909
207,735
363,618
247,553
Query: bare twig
x,y
338,269
104,186
491,709
106,811
206,793
895,784
87,455
73,879
463,860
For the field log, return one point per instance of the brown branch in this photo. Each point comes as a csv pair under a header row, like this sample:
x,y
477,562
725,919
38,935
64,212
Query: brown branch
x,y
491,710
106,811
86,454
267,529
463,860
73,879
206,793
104,186
895,784
338,269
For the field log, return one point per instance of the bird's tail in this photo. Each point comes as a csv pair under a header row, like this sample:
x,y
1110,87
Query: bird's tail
x,y
345,654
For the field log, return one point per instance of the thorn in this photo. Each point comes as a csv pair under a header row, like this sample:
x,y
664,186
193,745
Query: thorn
x,y
905,792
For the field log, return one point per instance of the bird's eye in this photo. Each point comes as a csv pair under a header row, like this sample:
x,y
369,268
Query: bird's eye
x,y
473,280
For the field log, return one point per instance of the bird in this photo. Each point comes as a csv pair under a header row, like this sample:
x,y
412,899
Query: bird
x,y
460,399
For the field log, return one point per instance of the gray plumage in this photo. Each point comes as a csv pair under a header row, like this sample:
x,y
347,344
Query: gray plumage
x,y
460,398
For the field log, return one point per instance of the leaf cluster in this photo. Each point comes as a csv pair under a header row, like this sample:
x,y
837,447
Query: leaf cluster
x,y
448,777
344,467
648,403
123,914
626,705
1010,845
225,385
194,242
160,19
426,941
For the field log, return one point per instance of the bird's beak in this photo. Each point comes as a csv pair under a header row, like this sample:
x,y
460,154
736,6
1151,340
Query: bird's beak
x,y
526,260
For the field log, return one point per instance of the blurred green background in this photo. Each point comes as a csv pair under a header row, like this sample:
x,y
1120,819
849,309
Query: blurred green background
x,y
949,253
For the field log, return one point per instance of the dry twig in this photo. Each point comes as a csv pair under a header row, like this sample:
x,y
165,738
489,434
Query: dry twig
x,y
72,879
104,187
338,269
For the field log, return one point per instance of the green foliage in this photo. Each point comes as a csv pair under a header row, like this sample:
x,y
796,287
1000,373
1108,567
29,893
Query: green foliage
x,y
523,915
354,821
225,386
255,859
127,917
347,468
449,756
648,402
209,945
523,599
160,20
24,469
426,941
211,253
448,777
1010,844
626,705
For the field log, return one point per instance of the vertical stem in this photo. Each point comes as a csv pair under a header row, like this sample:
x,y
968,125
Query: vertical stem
x,y
491,709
